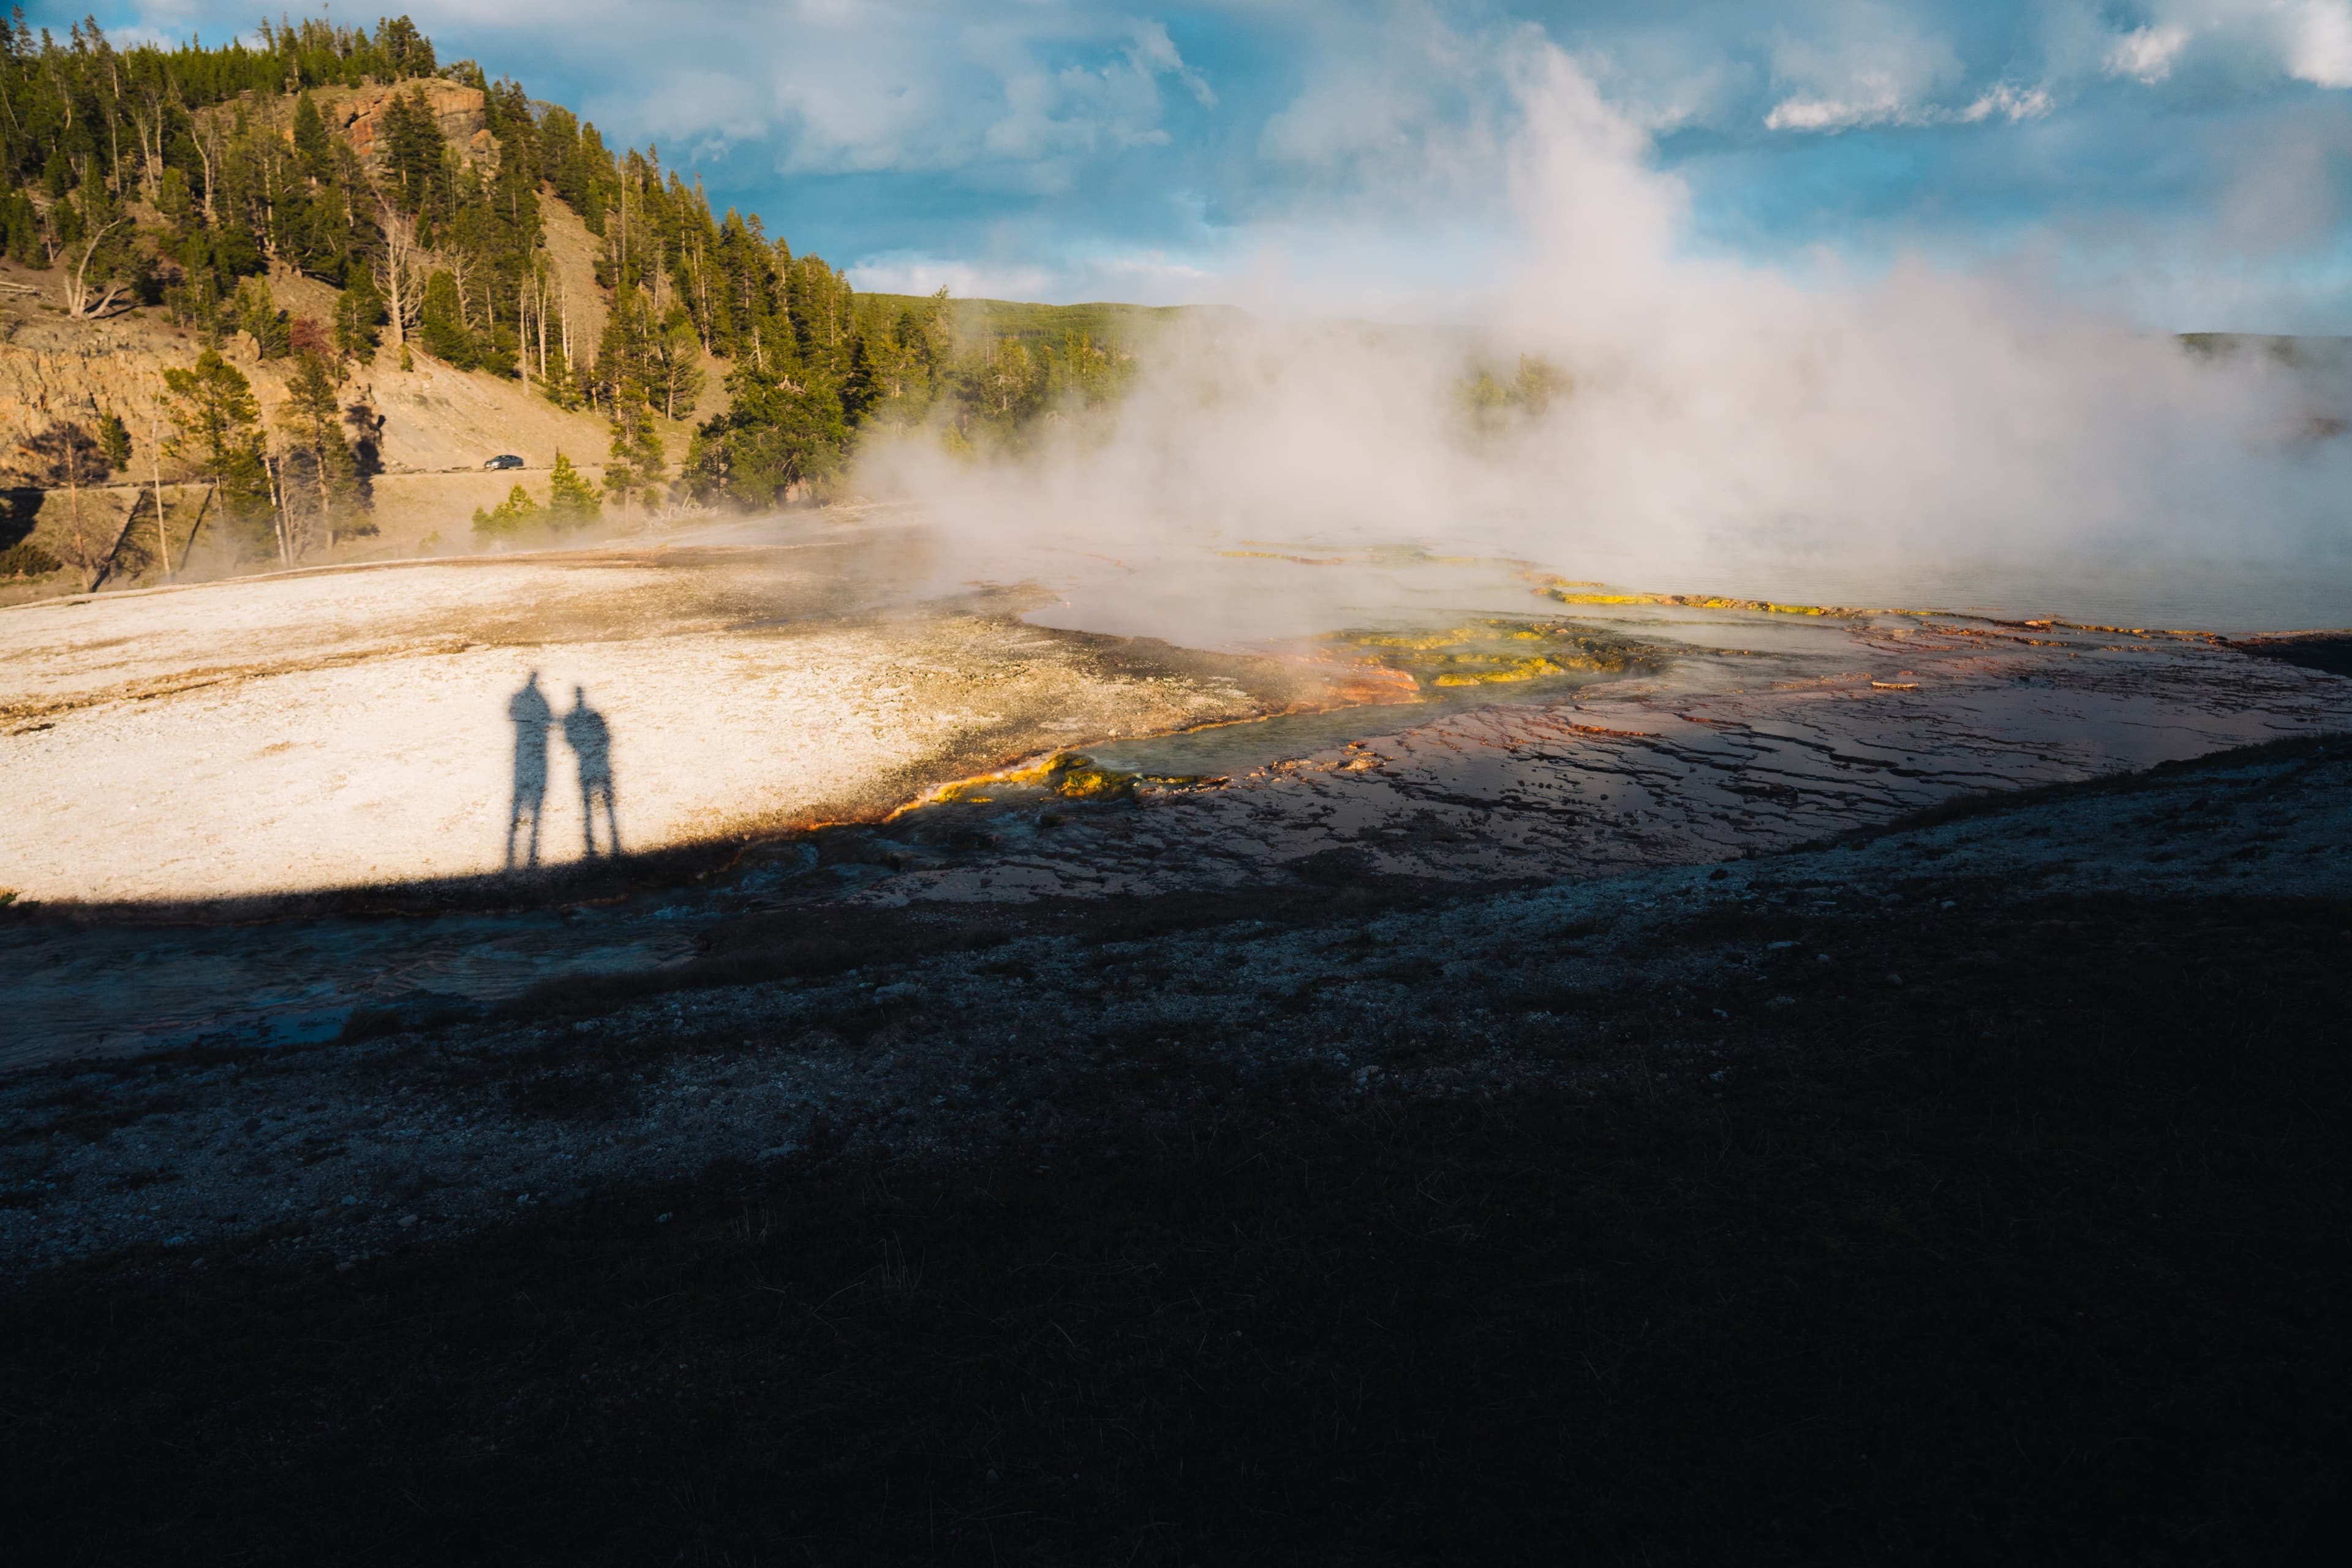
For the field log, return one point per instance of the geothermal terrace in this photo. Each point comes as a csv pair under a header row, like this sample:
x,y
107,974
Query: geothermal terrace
x,y
348,729
829,719
1092,1032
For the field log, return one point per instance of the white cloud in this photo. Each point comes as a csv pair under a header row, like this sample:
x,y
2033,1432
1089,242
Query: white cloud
x,y
2308,40
2146,54
1863,64
1360,111
2011,102
2319,43
1873,99
1153,53
708,110
908,272
1079,108
1703,96
1148,277
1877,101
868,120
1340,113
1156,273
864,86
1373,90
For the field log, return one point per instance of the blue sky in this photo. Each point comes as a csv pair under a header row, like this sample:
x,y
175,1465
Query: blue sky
x,y
2183,160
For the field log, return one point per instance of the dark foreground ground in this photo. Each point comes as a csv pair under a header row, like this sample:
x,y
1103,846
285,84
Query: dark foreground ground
x,y
1983,1217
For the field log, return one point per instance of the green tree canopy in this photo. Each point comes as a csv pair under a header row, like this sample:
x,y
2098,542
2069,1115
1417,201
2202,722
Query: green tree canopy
x,y
571,500
217,426
322,479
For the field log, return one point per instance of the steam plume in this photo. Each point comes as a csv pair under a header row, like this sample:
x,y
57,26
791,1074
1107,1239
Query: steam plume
x,y
1718,409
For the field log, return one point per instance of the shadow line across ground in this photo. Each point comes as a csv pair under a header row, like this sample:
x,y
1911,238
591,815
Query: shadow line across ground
x,y
2000,1221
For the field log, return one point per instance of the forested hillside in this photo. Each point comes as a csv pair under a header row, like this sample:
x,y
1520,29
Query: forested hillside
x,y
210,186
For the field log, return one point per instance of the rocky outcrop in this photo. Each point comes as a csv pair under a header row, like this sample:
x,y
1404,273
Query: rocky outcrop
x,y
356,114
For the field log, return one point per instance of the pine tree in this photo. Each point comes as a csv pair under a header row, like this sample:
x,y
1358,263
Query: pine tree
x,y
415,164
258,317
114,440
218,423
358,317
509,517
312,419
313,145
775,434
441,323
571,499
637,462
678,355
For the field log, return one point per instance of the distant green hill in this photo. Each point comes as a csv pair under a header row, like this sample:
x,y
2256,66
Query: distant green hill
x,y
2305,352
977,320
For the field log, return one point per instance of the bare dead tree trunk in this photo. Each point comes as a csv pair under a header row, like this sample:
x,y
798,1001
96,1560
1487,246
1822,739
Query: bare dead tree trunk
x,y
79,304
397,274
206,151
73,490
326,501
458,275
277,504
155,464
702,288
150,182
269,176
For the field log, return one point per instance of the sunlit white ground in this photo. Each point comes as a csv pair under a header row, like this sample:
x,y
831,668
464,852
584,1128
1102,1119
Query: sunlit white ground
x,y
349,729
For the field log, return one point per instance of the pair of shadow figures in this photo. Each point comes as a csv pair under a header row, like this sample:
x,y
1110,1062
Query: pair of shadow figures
x,y
590,741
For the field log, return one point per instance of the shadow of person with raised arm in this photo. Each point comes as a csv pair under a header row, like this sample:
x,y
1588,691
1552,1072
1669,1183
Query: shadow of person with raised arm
x,y
592,745
532,719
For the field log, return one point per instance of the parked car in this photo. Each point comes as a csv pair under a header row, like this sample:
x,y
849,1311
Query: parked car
x,y
504,461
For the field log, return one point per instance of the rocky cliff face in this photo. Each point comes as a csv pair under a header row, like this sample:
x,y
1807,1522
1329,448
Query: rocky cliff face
x,y
356,114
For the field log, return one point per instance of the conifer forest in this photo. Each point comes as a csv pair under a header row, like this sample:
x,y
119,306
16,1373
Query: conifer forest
x,y
177,181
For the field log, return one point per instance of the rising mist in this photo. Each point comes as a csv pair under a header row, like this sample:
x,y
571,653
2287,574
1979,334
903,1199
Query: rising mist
x,y
1716,410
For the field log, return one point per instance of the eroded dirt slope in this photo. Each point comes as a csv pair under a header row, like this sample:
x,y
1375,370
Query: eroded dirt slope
x,y
439,424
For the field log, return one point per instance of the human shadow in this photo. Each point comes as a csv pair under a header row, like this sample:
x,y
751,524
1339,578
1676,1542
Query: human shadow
x,y
592,746
532,717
